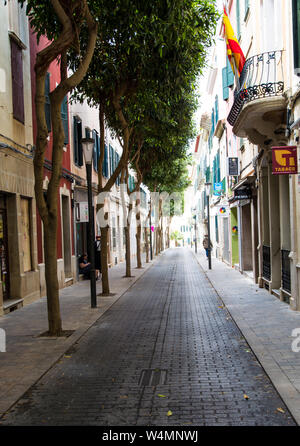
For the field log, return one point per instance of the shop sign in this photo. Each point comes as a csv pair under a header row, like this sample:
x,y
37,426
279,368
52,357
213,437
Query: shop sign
x,y
242,194
223,211
218,189
82,212
284,160
233,166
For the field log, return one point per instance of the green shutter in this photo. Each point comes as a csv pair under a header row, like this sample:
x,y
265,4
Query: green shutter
x,y
64,118
238,19
225,86
95,153
105,162
230,75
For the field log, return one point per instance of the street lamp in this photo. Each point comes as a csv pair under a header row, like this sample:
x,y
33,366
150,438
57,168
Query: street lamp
x,y
88,150
207,187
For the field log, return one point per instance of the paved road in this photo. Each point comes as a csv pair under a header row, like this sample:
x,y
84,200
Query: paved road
x,y
167,353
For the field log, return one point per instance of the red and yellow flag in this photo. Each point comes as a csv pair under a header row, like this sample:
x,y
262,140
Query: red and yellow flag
x,y
233,48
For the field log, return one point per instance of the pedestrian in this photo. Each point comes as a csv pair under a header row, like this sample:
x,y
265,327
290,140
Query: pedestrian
x,y
205,244
84,266
97,248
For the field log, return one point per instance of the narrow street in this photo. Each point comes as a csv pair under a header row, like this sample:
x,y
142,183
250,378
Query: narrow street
x,y
166,353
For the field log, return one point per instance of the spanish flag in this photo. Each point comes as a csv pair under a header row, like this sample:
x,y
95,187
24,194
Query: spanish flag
x,y
233,47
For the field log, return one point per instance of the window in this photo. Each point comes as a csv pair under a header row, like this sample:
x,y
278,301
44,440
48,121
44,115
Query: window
x,y
17,81
111,160
64,118
96,154
238,19
78,154
228,79
105,162
247,7
117,159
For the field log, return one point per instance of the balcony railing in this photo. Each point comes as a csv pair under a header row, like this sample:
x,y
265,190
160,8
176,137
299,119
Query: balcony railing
x,y
267,262
285,270
262,76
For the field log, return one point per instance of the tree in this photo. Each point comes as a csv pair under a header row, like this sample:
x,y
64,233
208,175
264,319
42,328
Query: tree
x,y
158,45
62,22
177,236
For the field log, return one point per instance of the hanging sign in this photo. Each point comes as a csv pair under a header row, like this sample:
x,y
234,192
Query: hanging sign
x,y
223,211
82,212
284,160
242,194
218,189
233,166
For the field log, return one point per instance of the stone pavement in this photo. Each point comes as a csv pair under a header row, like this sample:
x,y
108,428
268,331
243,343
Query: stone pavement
x,y
29,356
267,324
167,353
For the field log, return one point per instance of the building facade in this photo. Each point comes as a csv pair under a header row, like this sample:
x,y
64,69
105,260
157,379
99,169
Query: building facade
x,y
258,232
19,281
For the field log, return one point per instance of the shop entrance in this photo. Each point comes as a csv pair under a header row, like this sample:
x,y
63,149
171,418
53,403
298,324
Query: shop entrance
x,y
4,266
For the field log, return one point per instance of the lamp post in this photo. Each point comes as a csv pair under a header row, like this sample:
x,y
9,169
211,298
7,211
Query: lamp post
x,y
207,186
88,150
195,226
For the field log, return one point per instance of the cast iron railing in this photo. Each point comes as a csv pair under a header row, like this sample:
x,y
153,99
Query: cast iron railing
x,y
285,270
267,262
262,76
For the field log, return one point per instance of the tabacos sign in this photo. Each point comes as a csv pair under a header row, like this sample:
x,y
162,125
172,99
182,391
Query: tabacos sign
x,y
284,160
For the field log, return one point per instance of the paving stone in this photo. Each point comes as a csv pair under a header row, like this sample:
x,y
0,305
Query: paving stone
x,y
169,320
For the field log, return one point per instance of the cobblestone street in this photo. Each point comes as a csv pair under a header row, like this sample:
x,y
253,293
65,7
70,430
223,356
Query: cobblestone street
x,y
166,353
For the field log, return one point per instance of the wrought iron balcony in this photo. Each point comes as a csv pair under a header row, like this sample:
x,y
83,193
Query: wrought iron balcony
x,y
262,77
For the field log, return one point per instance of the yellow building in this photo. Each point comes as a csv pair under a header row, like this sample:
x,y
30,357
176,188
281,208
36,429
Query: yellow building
x,y
19,281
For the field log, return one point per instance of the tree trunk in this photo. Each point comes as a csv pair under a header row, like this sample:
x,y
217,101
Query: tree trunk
x,y
146,244
138,230
127,238
104,263
52,287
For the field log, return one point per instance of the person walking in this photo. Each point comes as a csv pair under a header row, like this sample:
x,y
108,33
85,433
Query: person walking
x,y
97,247
206,244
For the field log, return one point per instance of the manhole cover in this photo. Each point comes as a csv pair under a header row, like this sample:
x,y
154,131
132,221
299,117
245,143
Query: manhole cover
x,y
153,377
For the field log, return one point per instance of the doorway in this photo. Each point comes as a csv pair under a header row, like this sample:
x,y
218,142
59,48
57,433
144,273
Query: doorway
x,y
4,264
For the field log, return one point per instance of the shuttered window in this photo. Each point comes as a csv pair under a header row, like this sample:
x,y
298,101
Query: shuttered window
x,y
17,81
238,19
96,153
117,159
111,160
227,80
105,162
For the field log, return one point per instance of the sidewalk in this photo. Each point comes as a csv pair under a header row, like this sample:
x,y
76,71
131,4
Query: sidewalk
x,y
28,356
267,324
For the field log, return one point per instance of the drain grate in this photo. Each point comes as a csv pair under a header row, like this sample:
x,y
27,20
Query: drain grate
x,y
153,377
